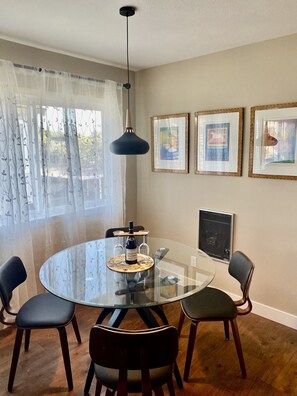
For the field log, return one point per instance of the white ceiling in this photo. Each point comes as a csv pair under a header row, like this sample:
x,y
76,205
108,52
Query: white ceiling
x,y
160,32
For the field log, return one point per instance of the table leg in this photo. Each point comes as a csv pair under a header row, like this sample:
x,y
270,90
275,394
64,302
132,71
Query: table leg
x,y
117,317
147,317
160,313
105,312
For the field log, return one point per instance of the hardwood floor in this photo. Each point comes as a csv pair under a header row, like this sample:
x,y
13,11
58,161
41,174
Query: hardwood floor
x,y
270,352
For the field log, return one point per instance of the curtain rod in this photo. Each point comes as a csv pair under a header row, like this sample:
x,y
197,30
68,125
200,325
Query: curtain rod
x,y
40,69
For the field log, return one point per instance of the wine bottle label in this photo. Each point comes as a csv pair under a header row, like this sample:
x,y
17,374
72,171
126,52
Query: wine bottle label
x,y
131,255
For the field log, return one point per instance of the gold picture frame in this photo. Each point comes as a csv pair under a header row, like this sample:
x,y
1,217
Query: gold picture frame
x,y
273,141
218,142
170,144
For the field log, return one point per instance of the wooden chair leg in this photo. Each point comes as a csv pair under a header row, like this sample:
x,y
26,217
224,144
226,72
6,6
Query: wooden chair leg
x,y
171,387
226,328
89,379
76,329
98,388
178,376
27,339
15,358
238,346
180,322
109,392
66,357
158,392
191,343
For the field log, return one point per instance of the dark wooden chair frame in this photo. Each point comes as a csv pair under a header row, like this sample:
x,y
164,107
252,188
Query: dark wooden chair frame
x,y
243,307
14,277
141,350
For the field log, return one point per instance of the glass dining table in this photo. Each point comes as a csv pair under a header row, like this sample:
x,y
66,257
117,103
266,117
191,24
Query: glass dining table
x,y
90,274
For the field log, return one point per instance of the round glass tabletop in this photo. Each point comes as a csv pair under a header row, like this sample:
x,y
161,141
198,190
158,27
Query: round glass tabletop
x,y
80,274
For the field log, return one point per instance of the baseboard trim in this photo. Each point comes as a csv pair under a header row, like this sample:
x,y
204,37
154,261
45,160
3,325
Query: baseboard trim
x,y
271,313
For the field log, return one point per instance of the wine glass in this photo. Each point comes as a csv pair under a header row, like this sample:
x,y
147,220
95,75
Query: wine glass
x,y
144,247
118,248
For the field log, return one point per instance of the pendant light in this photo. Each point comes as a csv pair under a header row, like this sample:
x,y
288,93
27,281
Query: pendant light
x,y
129,143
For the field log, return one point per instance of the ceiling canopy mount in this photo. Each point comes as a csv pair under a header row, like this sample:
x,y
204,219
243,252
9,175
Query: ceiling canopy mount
x,y
127,11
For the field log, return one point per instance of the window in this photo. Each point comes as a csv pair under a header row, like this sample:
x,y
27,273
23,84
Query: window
x,y
55,132
63,150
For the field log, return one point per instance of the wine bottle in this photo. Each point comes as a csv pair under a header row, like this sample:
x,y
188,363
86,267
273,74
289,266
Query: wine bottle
x,y
131,247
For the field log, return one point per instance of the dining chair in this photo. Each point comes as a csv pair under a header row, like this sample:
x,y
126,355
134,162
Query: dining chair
x,y
43,311
213,305
129,361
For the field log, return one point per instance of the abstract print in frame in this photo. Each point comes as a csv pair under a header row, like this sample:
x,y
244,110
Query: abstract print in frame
x,y
170,143
218,142
273,148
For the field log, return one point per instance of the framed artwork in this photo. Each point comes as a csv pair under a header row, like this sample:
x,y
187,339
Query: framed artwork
x,y
218,142
216,234
273,141
170,143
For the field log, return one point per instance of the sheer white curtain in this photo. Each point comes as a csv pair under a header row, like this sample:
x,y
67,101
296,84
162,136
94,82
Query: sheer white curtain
x,y
59,183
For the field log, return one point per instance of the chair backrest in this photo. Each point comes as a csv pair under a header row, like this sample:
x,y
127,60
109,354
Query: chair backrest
x,y
124,350
110,231
242,269
12,274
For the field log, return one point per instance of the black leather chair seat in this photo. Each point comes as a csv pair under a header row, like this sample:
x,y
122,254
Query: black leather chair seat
x,y
210,304
45,311
110,377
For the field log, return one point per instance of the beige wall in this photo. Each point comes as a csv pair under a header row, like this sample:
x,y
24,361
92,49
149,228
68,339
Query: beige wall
x,y
265,209
26,55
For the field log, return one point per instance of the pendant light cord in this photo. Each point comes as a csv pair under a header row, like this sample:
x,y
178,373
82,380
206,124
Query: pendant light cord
x,y
128,67
129,143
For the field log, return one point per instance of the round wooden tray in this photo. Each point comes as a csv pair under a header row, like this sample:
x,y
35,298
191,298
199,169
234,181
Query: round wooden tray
x,y
118,264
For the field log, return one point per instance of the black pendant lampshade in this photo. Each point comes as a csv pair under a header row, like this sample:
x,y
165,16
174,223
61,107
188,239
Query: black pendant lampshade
x,y
129,143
